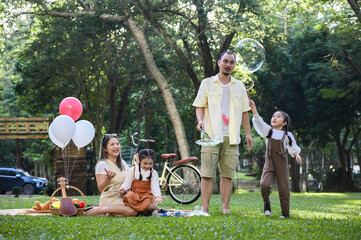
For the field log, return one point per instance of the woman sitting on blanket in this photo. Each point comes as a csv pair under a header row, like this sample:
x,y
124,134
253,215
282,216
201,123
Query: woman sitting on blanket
x,y
143,182
110,173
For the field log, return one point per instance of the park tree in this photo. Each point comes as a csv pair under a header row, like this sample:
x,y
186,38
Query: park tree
x,y
117,14
200,26
10,45
79,50
320,80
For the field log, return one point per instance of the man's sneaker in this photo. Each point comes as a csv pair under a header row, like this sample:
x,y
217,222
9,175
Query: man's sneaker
x,y
267,209
285,216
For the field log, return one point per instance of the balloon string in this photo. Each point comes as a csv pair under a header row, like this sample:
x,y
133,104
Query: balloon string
x,y
63,152
76,155
67,163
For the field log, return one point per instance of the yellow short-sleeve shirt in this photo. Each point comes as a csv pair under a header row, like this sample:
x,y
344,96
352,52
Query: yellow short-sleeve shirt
x,y
210,97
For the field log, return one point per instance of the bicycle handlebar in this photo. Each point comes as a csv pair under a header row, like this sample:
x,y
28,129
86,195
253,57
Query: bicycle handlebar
x,y
139,140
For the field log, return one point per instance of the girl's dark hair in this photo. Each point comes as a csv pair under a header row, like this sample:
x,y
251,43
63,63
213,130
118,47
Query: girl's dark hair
x,y
103,145
287,119
146,153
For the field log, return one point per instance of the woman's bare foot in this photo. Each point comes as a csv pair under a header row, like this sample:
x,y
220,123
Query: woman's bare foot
x,y
91,212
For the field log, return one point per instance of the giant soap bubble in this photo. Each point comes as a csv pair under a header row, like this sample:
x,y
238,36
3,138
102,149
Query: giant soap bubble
x,y
250,54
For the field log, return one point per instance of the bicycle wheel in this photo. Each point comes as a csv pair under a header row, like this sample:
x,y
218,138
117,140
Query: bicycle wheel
x,y
184,184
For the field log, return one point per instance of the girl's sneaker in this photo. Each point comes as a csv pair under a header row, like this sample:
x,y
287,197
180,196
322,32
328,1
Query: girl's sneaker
x,y
285,216
267,209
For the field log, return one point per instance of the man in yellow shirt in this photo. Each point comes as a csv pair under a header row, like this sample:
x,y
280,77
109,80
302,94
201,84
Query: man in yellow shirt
x,y
221,107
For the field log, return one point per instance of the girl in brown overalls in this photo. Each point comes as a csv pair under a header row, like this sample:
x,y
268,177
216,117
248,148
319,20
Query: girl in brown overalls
x,y
143,182
276,164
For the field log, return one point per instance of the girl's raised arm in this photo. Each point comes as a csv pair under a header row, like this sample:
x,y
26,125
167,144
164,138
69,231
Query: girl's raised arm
x,y
260,126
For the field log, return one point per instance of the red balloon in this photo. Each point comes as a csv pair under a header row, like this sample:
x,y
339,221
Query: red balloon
x,y
72,107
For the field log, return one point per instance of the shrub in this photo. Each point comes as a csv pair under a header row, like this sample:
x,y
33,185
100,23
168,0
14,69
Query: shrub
x,y
49,191
16,190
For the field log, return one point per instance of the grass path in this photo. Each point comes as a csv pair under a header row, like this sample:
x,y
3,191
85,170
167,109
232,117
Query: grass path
x,y
313,216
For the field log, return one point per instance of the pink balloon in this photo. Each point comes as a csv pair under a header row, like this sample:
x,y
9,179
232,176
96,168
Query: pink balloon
x,y
71,107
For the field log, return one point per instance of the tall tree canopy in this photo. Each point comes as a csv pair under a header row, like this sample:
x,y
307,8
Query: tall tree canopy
x,y
137,65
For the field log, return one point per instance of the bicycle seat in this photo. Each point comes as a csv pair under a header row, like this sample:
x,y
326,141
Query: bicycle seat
x,y
185,160
168,155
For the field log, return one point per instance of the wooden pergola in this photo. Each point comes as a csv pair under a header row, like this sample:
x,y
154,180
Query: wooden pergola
x,y
23,128
32,128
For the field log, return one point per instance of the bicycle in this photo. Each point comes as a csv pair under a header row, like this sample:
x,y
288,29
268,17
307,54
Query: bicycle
x,y
182,181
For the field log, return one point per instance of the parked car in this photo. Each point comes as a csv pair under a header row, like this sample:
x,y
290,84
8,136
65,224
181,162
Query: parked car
x,y
11,177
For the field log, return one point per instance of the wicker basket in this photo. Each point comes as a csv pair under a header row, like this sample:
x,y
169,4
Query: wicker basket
x,y
55,211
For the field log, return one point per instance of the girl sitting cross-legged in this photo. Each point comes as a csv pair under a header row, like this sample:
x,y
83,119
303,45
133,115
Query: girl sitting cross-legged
x,y
143,182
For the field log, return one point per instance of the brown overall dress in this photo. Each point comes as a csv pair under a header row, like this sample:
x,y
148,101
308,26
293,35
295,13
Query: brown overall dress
x,y
140,195
276,165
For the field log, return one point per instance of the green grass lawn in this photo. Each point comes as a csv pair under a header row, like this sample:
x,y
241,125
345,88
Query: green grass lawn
x,y
242,176
313,216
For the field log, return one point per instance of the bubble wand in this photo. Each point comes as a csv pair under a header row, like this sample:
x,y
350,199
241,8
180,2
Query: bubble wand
x,y
205,134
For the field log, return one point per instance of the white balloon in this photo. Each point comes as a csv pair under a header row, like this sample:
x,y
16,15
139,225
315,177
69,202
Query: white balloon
x,y
53,139
84,133
63,128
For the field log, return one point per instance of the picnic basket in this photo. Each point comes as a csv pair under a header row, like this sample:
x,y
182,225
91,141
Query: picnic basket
x,y
55,211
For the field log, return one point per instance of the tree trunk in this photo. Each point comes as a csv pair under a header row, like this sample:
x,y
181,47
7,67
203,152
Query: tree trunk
x,y
295,175
285,21
203,39
346,181
123,105
113,105
36,169
356,8
148,118
18,154
349,172
164,87
187,63
358,156
305,173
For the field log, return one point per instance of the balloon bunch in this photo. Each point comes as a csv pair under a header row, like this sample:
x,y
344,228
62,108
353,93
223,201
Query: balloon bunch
x,y
64,128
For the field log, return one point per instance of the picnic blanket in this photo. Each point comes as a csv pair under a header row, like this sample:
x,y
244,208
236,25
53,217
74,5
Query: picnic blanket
x,y
171,212
28,211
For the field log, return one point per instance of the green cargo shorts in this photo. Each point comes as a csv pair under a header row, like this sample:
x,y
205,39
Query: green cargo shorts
x,y
223,155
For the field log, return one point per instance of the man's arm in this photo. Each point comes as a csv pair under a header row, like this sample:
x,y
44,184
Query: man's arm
x,y
247,128
200,117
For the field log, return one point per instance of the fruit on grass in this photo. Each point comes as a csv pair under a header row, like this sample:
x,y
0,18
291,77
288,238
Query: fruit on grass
x,y
75,200
55,205
81,205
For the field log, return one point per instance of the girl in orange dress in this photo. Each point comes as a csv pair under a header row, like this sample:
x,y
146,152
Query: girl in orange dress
x,y
143,182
